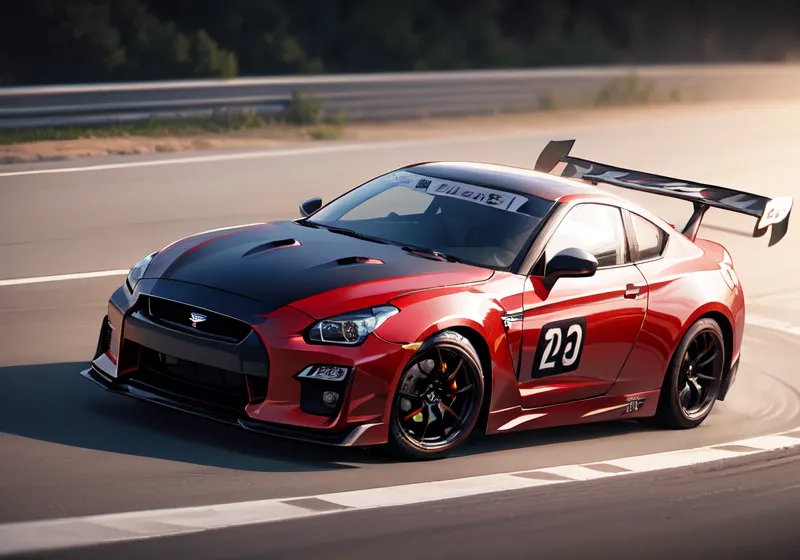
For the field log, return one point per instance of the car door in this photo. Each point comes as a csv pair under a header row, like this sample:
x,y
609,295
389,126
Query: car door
x,y
577,335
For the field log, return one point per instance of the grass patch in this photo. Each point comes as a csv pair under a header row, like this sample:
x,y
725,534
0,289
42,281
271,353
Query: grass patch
x,y
625,91
548,102
302,111
152,128
326,132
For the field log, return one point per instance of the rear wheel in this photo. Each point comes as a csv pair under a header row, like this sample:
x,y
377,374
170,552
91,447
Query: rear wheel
x,y
438,398
693,380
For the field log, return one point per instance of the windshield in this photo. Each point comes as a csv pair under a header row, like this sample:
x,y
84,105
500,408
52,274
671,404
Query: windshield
x,y
477,225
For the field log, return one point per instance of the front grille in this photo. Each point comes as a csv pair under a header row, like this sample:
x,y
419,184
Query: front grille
x,y
177,314
191,380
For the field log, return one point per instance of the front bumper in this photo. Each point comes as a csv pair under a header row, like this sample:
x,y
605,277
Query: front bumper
x,y
136,351
133,388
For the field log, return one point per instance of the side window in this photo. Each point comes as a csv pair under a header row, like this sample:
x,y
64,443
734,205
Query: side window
x,y
650,238
595,228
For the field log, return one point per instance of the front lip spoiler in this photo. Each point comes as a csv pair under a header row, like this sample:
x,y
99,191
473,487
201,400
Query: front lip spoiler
x,y
139,390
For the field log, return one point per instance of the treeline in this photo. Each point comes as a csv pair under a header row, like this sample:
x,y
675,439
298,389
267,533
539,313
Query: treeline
x,y
68,41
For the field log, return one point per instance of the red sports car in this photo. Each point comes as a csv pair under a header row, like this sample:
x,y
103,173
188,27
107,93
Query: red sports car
x,y
440,297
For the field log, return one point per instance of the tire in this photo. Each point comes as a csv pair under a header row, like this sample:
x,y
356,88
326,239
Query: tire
x,y
435,408
693,379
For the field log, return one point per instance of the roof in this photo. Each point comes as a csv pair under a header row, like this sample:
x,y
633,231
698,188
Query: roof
x,y
515,179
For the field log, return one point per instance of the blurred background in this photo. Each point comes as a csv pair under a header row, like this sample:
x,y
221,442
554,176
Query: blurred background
x,y
69,41
72,69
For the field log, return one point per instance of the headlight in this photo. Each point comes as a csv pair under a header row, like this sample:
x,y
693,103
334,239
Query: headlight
x,y
353,328
138,270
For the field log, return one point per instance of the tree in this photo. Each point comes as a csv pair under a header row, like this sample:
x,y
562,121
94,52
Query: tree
x,y
56,41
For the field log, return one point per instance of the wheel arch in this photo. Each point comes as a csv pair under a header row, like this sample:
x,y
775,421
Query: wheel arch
x,y
474,315
667,413
472,345
722,315
482,348
726,325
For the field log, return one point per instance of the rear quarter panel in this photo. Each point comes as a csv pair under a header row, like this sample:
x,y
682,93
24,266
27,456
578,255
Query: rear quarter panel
x,y
690,281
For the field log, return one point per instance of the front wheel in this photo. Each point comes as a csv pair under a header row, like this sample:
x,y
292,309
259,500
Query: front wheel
x,y
694,376
438,398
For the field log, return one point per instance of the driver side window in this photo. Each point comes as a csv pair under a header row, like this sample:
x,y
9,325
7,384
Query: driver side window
x,y
596,228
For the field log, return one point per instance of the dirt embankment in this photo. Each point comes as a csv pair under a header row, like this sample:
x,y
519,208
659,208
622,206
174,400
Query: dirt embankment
x,y
285,136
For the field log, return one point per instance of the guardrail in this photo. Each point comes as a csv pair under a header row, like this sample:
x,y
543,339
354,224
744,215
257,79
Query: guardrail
x,y
388,96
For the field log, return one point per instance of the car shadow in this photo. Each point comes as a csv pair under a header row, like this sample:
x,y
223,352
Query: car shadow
x,y
53,403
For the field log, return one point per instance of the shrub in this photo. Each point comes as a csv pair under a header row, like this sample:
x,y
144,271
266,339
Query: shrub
x,y
624,91
304,109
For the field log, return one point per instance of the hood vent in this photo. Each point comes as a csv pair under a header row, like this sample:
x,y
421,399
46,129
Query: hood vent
x,y
272,245
358,260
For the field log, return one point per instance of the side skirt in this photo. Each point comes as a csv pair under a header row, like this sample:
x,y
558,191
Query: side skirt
x,y
596,409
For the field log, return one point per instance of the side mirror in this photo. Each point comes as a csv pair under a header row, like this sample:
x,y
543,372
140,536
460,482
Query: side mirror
x,y
310,206
569,263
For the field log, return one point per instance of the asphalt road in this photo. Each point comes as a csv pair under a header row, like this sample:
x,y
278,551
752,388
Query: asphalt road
x,y
68,449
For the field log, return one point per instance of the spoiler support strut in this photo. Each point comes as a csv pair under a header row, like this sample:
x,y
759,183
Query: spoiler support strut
x,y
692,226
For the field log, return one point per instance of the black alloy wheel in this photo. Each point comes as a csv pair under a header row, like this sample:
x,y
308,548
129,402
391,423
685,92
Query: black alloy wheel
x,y
438,399
694,378
700,374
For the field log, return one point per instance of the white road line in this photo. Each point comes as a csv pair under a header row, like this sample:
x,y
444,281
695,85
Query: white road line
x,y
329,149
575,472
55,534
193,159
61,277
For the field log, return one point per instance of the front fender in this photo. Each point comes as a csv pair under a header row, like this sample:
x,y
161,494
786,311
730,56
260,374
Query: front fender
x,y
425,313
472,313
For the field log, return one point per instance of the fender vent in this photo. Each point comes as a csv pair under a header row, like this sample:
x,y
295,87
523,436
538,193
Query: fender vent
x,y
280,244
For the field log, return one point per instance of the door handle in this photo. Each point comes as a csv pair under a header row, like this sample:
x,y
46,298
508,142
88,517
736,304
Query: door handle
x,y
632,291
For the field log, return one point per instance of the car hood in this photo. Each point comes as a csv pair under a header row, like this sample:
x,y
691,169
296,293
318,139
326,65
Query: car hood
x,y
283,263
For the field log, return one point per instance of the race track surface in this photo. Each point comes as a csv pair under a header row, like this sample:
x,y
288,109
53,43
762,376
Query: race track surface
x,y
69,449
735,509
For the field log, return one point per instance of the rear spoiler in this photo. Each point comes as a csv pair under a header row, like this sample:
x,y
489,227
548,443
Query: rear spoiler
x,y
769,211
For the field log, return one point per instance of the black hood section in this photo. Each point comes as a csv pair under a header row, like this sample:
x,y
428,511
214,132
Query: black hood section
x,y
284,262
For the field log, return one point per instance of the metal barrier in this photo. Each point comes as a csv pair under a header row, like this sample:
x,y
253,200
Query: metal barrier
x,y
390,96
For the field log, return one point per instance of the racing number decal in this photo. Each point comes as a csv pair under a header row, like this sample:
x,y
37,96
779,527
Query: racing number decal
x,y
560,347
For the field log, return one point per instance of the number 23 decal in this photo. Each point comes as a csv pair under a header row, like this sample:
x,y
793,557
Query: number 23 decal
x,y
560,347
